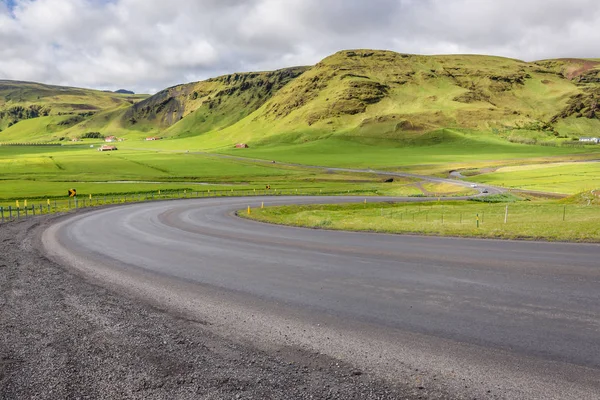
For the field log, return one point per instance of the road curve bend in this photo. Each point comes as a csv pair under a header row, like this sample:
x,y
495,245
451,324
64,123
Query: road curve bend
x,y
484,318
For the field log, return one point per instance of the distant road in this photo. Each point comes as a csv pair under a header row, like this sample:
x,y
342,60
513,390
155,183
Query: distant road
x,y
517,319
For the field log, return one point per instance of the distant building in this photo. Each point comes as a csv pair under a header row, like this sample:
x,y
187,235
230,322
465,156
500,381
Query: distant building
x,y
593,140
75,140
241,146
110,139
152,138
107,148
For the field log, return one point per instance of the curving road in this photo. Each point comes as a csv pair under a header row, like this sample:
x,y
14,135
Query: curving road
x,y
484,318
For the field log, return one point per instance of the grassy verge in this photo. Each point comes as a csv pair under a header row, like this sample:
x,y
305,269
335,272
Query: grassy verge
x,y
544,220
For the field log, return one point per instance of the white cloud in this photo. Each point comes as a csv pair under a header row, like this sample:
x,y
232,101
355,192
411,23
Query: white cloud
x,y
150,44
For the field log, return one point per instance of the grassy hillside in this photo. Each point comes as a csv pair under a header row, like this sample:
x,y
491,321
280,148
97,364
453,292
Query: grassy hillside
x,y
209,105
374,98
382,96
37,112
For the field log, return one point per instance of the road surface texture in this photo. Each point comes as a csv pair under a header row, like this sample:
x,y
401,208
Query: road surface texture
x,y
433,317
66,336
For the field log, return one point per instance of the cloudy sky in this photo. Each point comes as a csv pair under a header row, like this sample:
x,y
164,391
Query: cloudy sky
x,y
147,45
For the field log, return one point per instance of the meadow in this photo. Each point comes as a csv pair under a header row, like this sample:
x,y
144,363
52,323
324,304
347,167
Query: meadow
x,y
47,172
565,177
40,173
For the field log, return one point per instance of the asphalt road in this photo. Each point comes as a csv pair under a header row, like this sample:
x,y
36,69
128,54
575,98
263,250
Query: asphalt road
x,y
474,318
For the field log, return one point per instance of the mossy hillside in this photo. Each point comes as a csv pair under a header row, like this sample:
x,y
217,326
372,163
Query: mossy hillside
x,y
578,69
211,104
374,94
21,101
368,96
364,93
189,109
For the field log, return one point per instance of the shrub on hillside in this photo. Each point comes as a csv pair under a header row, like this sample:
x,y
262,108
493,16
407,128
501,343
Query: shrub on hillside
x,y
92,135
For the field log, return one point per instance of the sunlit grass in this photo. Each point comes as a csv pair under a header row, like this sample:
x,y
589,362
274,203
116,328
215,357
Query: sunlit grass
x,y
524,220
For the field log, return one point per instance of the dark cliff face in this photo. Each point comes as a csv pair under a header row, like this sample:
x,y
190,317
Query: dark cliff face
x,y
240,94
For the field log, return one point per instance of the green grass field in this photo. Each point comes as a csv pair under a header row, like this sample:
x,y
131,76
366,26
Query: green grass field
x,y
566,177
36,172
40,171
545,220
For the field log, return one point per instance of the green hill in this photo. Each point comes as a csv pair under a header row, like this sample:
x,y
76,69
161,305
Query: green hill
x,y
365,96
368,95
209,105
36,112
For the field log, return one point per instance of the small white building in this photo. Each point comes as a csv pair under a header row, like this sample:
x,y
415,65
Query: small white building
x,y
593,140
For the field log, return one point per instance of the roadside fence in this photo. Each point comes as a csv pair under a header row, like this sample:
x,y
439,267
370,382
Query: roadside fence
x,y
20,209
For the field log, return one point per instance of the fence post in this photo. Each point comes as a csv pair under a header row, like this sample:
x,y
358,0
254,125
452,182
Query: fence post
x,y
26,212
506,214
33,209
2,213
10,212
76,202
18,213
564,212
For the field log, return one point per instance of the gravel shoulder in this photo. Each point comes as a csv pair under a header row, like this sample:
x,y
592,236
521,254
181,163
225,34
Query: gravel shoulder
x,y
63,336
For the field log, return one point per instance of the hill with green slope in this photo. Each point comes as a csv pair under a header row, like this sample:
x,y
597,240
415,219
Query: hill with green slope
x,y
369,95
208,105
34,111
366,96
